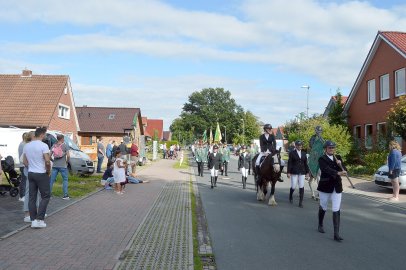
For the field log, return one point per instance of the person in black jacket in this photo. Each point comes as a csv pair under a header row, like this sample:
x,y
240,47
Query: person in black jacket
x,y
297,171
330,186
214,164
267,143
244,162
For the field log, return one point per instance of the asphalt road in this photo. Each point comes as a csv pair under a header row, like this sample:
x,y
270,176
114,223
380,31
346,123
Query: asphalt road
x,y
247,234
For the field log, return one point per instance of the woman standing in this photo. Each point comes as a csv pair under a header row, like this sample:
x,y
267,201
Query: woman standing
x,y
297,171
394,164
330,186
244,164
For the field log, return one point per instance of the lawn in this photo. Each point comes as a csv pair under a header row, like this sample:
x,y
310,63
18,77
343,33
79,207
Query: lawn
x,y
185,163
78,186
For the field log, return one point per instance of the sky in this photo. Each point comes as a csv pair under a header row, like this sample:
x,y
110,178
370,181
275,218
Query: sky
x,y
153,54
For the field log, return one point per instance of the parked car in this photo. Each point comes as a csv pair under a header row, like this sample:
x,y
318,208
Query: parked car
x,y
381,176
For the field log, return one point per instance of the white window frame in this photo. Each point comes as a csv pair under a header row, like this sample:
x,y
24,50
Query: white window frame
x,y
397,92
354,133
380,124
384,86
369,91
60,115
366,136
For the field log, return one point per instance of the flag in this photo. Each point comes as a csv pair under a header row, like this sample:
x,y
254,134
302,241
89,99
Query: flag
x,y
211,137
205,136
135,120
217,134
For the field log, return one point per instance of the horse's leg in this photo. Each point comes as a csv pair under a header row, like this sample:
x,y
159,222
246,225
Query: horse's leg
x,y
272,196
260,194
310,186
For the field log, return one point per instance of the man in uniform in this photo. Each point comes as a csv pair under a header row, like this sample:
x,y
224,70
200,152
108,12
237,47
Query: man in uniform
x,y
214,165
267,144
253,151
330,186
199,156
226,159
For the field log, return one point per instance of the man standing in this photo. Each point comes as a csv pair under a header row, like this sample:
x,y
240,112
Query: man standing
x,y
226,159
100,154
199,159
134,156
214,164
61,156
37,159
109,149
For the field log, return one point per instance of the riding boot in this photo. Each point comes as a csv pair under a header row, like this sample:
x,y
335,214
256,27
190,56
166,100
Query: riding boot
x,y
215,181
242,181
249,169
211,181
222,171
291,195
245,182
225,168
321,217
336,222
301,194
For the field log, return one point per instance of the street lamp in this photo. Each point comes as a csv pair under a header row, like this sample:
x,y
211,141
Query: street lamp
x,y
307,87
243,131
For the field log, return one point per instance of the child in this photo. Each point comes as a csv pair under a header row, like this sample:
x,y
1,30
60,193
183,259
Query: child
x,y
119,172
108,175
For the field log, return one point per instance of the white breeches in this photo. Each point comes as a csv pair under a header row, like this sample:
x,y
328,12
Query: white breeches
x,y
261,154
214,172
335,200
244,172
297,179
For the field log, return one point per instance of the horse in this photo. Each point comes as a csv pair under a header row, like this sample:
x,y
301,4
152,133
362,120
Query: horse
x,y
315,196
269,172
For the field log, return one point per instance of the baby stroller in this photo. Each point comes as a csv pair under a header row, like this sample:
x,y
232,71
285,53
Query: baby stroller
x,y
13,178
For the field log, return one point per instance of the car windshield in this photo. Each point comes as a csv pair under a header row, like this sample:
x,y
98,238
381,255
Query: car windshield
x,y
71,144
404,159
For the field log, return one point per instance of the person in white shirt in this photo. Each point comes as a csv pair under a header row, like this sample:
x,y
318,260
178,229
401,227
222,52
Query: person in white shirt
x,y
37,159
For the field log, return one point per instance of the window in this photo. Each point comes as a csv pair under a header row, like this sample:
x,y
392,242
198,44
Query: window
x,y
112,116
357,132
63,111
65,90
381,129
384,82
368,136
371,91
400,82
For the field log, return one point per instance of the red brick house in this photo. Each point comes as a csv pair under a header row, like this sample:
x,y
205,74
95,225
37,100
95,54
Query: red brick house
x,y
109,123
151,125
30,101
378,85
332,102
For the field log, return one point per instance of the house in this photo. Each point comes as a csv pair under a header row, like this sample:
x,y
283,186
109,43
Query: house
x,y
30,101
378,85
151,126
109,123
167,136
332,103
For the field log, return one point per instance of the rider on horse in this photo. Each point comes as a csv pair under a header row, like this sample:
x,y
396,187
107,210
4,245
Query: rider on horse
x,y
267,144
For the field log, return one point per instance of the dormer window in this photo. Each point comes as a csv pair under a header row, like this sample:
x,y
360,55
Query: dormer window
x,y
65,90
112,116
63,111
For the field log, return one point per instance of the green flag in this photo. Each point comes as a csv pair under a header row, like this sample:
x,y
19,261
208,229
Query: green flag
x,y
205,136
217,134
211,137
135,120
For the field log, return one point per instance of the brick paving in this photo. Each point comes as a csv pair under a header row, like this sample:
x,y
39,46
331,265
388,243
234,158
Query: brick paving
x,y
92,233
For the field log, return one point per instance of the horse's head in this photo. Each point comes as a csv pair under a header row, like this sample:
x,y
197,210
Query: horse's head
x,y
276,160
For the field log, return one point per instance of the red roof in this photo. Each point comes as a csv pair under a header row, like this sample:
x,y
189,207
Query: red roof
x,y
144,121
343,99
153,124
105,119
30,100
398,39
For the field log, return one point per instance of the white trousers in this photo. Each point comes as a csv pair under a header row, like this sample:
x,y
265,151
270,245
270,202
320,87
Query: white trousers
x,y
297,179
244,172
335,200
214,172
261,154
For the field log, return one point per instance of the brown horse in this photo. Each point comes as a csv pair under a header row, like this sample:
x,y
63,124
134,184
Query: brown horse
x,y
269,172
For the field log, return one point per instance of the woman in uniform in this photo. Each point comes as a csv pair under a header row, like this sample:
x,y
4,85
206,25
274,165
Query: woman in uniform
x,y
297,171
214,164
244,164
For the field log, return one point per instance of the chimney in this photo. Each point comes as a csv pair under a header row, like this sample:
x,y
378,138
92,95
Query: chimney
x,y
26,73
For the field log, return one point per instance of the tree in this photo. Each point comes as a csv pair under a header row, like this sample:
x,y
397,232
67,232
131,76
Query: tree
x,y
336,116
205,108
397,117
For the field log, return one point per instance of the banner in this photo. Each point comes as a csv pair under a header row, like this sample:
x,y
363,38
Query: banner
x,y
217,134
211,137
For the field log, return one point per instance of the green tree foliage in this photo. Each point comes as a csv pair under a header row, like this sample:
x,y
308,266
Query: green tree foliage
x,y
207,107
336,116
305,129
155,136
397,117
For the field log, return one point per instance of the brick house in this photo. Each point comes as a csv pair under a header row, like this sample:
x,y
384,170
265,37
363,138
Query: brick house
x,y
30,101
109,123
332,103
151,125
378,85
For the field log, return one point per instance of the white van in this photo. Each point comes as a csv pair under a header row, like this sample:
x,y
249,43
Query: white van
x,y
10,139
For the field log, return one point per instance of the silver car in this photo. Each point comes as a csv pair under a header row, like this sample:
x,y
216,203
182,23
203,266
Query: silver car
x,y
381,176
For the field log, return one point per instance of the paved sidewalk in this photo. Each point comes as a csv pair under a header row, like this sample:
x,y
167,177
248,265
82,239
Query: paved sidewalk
x,y
93,233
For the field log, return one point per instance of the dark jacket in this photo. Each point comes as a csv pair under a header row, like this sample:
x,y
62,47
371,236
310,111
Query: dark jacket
x,y
244,162
296,164
267,144
215,161
329,179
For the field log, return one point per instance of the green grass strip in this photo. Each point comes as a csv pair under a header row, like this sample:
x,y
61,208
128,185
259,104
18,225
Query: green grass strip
x,y
197,262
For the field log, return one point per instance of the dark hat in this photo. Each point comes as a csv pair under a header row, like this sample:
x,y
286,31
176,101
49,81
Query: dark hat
x,y
298,142
215,146
329,143
318,129
267,126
